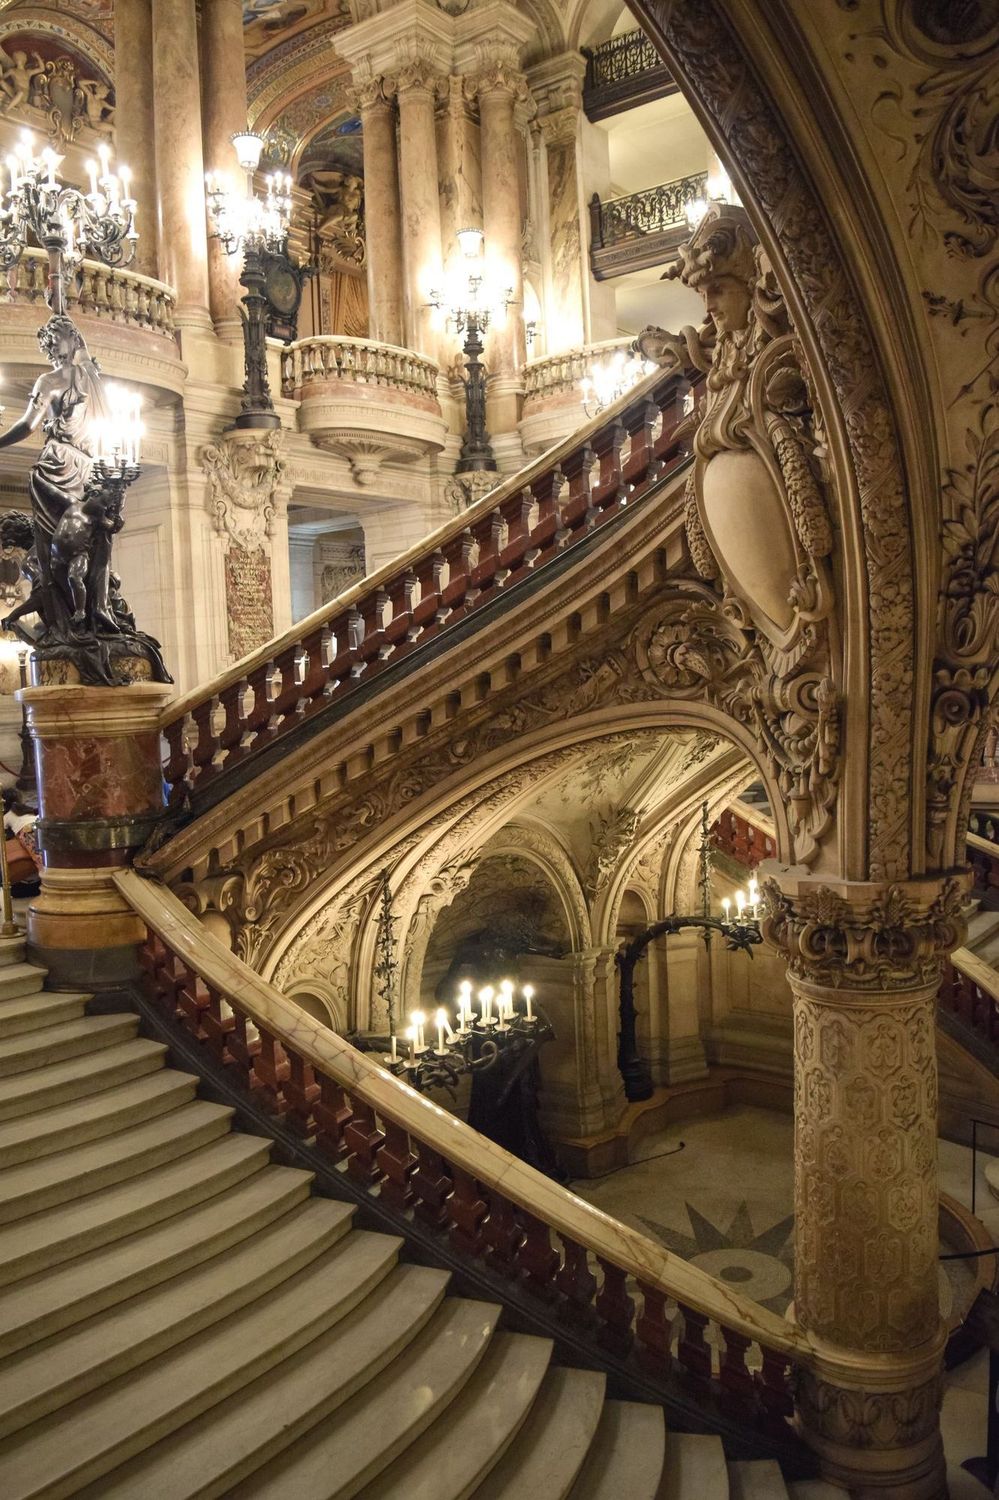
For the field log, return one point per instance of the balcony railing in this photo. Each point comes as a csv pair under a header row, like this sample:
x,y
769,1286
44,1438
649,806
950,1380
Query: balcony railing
x,y
623,72
658,1317
328,359
97,291
642,229
560,374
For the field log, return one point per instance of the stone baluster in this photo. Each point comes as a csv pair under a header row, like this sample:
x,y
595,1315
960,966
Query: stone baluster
x,y
382,212
416,86
135,134
499,88
180,167
864,968
223,104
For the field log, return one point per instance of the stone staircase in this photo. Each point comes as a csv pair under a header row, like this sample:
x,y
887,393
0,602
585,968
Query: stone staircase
x,y
178,1317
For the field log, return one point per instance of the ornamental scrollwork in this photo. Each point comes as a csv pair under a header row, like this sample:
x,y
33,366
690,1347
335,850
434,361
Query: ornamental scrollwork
x,y
244,472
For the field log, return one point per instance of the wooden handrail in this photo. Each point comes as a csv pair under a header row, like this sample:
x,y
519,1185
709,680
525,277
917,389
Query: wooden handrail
x,y
429,1160
527,522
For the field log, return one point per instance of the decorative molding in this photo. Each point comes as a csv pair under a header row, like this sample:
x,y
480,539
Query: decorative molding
x,y
244,471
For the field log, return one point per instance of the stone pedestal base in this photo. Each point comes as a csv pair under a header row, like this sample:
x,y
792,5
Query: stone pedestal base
x,y
82,931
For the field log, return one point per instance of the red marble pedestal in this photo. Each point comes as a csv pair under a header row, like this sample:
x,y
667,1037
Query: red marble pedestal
x,y
100,792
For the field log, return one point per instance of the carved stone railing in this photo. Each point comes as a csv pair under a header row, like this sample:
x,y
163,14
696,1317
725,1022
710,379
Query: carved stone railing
x,y
521,527
743,837
327,358
641,229
623,72
628,1294
96,291
560,374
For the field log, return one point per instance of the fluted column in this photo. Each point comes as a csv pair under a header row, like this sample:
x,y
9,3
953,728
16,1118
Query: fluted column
x,y
382,213
499,89
421,238
135,132
180,168
864,968
223,104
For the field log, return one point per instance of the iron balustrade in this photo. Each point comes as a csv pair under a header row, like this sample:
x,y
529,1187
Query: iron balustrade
x,y
641,229
623,72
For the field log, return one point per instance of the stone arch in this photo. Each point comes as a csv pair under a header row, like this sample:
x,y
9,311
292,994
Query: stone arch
x,y
319,1001
69,31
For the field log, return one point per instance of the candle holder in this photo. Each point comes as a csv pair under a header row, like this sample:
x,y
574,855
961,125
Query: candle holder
x,y
480,1042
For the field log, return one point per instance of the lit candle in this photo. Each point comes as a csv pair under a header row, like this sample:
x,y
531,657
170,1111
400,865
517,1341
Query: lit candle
x,y
395,1049
726,909
486,1001
506,1001
91,170
126,181
529,997
419,1020
411,1039
14,170
50,158
740,902
441,1020
104,152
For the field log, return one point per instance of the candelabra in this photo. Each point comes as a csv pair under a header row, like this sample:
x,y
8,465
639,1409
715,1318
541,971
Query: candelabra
x,y
470,309
741,932
63,220
476,1044
610,377
257,226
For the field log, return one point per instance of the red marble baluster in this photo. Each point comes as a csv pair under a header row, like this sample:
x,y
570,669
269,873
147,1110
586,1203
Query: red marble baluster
x,y
217,1026
638,421
774,1384
733,1371
230,737
270,1071
607,445
243,1049
577,512
654,1331
575,1281
502,1234
467,1211
192,1002
176,771
203,749
301,1094
403,593
333,1114
694,1351
258,720
615,1307
431,1187
398,1164
537,1260
362,1138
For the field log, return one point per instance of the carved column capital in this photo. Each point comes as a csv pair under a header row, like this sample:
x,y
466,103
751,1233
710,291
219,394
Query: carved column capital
x,y
558,127
370,91
863,936
420,75
500,78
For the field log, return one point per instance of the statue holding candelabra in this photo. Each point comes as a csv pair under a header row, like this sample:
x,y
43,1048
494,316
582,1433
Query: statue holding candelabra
x,y
92,430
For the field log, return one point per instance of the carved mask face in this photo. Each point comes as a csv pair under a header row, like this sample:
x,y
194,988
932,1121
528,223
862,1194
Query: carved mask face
x,y
728,301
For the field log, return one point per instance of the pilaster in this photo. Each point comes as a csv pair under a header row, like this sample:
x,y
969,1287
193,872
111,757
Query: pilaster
x,y
557,86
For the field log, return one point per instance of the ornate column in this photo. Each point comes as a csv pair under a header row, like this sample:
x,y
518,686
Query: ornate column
x,y
557,88
180,167
223,105
135,133
100,788
382,211
864,968
416,86
499,87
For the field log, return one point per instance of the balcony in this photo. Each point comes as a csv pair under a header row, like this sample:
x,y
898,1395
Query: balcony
x,y
127,319
622,73
642,230
553,399
366,402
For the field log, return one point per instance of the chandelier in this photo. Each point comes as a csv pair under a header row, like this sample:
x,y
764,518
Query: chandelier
x,y
248,220
477,1041
610,378
63,220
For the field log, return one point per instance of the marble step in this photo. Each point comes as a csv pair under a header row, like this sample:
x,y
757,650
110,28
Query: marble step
x,y
337,1459
20,979
216,1452
12,952
625,1461
31,1011
47,1087
60,1454
695,1466
757,1480
94,1116
36,1049
63,1368
42,1305
472,1433
553,1442
59,1234
81,1170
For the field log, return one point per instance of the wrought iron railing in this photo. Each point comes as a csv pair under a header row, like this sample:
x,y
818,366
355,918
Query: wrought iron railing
x,y
622,72
641,229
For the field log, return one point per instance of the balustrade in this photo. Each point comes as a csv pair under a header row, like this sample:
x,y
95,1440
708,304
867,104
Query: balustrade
x,y
733,834
623,72
639,1301
327,359
520,527
969,991
96,291
641,229
560,374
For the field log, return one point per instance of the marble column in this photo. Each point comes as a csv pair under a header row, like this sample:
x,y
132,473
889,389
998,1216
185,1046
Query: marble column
x,y
417,85
382,213
135,133
180,167
864,969
499,88
223,107
100,791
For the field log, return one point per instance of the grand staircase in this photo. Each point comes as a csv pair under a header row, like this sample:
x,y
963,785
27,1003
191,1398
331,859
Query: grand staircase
x,y
179,1317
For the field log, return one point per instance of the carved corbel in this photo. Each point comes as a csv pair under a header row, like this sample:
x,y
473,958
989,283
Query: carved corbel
x,y
244,471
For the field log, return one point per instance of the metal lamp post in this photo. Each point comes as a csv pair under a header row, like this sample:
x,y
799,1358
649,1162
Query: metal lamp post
x,y
256,225
470,313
